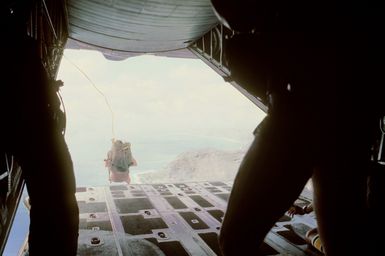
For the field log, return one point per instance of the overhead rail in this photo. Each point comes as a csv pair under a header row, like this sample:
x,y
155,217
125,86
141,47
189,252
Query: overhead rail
x,y
48,25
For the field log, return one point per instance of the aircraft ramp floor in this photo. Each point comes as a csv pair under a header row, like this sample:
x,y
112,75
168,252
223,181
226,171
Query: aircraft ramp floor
x,y
177,219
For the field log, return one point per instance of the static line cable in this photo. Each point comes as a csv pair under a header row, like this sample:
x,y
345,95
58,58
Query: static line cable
x,y
99,91
49,19
64,112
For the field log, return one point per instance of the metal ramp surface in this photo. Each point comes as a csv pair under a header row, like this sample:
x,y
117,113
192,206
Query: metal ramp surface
x,y
168,219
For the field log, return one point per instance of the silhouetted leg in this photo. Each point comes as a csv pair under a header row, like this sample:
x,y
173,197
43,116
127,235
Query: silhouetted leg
x,y
271,177
340,186
43,155
339,201
128,181
50,181
340,190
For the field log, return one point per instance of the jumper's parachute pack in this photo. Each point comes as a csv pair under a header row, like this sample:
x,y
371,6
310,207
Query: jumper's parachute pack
x,y
120,156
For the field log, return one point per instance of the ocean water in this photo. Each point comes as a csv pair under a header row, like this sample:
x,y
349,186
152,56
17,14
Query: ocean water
x,y
152,154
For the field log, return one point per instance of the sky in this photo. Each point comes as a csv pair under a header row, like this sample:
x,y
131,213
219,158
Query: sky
x,y
163,106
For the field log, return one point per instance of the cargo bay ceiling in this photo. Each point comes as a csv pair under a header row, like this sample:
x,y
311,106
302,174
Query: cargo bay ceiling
x,y
124,28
